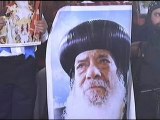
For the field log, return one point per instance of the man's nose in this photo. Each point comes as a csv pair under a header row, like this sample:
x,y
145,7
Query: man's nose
x,y
93,72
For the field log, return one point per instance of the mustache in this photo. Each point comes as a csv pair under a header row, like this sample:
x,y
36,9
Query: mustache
x,y
95,83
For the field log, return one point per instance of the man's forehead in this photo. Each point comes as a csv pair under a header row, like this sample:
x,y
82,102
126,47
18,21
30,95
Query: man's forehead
x,y
95,52
156,10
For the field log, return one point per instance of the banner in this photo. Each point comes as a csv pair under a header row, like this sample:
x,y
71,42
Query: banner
x,y
86,45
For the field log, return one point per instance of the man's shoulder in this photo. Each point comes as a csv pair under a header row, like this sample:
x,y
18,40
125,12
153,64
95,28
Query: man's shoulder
x,y
58,113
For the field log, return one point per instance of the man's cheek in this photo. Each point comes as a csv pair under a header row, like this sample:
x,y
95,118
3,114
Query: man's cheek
x,y
80,79
111,78
107,76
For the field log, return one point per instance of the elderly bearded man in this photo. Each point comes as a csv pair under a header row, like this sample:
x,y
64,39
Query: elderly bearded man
x,y
95,54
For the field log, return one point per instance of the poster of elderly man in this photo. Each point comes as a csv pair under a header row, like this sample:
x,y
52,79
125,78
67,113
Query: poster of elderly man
x,y
87,63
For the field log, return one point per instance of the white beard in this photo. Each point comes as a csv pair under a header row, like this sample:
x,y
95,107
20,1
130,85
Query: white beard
x,y
112,107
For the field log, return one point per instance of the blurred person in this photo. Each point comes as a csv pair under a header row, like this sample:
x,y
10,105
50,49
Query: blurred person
x,y
145,57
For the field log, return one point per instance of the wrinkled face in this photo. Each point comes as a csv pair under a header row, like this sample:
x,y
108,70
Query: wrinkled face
x,y
93,71
155,17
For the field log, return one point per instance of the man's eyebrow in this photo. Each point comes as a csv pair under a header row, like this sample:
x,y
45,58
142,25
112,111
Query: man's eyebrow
x,y
103,55
157,12
81,60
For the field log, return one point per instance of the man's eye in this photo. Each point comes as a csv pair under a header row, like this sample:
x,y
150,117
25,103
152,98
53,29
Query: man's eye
x,y
81,66
104,61
157,14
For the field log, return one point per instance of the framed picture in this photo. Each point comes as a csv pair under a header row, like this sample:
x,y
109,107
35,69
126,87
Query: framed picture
x,y
58,80
19,29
